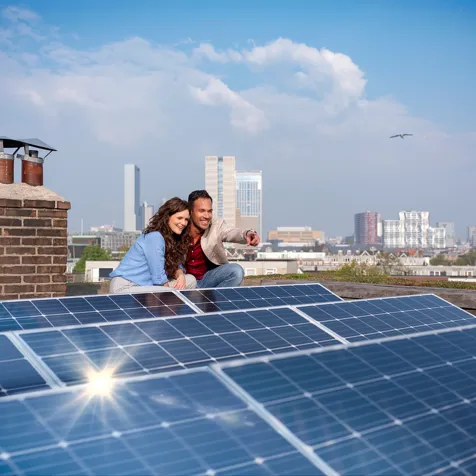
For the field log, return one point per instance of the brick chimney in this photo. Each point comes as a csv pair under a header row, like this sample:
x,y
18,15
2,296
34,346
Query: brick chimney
x,y
33,242
33,227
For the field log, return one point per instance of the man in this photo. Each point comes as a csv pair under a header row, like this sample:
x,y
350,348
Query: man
x,y
206,259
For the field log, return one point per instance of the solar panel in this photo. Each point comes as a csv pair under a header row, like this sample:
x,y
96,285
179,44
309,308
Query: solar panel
x,y
162,345
399,406
69,311
183,424
377,318
16,373
228,299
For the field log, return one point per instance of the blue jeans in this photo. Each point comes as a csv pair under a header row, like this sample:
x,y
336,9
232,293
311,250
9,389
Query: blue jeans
x,y
226,275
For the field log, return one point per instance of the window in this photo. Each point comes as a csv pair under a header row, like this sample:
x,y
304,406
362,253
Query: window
x,y
271,271
250,272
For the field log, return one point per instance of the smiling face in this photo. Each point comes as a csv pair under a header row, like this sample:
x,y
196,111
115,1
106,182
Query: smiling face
x,y
202,213
178,221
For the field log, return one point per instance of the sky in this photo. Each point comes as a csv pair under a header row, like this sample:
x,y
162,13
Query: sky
x,y
307,92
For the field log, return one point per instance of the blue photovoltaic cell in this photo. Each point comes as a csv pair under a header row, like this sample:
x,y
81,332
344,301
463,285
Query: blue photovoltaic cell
x,y
183,424
378,318
16,373
73,311
163,345
405,406
230,299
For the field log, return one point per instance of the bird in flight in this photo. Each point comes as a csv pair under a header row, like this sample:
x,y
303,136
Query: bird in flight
x,y
400,135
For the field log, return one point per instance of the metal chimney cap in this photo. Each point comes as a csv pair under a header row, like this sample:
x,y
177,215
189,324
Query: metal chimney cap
x,y
9,143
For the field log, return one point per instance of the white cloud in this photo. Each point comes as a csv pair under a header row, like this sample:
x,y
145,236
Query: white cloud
x,y
244,115
208,51
319,67
322,144
16,14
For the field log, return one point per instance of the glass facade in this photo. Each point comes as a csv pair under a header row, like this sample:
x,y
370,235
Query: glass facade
x,y
249,199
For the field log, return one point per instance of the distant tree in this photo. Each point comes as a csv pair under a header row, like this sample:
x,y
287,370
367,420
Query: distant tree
x,y
91,253
468,259
440,260
123,250
390,264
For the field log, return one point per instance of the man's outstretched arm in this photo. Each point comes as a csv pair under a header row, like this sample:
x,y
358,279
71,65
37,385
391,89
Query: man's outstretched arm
x,y
237,235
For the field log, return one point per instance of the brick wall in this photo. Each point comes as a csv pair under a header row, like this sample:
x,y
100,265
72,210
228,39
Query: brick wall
x,y
33,248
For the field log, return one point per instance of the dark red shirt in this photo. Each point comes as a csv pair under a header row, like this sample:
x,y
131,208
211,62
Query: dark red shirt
x,y
197,263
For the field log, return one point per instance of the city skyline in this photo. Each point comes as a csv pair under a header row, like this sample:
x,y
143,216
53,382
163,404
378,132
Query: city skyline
x,y
310,98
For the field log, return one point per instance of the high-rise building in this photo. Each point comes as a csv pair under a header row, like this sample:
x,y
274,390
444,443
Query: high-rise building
x,y
132,218
393,234
472,235
415,226
249,200
366,228
412,230
220,183
450,237
437,237
146,212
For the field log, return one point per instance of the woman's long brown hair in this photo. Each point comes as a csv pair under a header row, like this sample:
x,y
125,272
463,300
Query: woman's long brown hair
x,y
176,246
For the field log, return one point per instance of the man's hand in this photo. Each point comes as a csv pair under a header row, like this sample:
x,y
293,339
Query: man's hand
x,y
252,238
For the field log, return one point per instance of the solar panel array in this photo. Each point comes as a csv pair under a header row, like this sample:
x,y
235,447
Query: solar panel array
x,y
71,311
162,345
406,406
228,299
184,424
377,318
274,391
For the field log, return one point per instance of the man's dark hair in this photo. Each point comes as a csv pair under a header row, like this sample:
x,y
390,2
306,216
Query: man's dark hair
x,y
195,195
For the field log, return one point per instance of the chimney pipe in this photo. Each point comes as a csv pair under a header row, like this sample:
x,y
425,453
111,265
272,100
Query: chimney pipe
x,y
6,166
32,168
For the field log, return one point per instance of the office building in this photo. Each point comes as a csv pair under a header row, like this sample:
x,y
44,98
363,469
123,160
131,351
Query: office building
x,y
147,212
220,183
437,237
450,235
296,234
416,226
366,228
132,215
472,235
249,200
412,231
393,234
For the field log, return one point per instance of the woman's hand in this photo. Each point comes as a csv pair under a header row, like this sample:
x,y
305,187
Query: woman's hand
x,y
180,281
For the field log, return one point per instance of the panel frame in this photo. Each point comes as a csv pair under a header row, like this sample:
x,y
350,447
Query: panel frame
x,y
30,357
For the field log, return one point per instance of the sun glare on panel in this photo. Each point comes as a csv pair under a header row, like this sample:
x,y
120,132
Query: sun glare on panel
x,y
100,383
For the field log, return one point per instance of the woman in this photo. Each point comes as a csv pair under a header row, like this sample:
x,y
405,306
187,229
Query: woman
x,y
157,256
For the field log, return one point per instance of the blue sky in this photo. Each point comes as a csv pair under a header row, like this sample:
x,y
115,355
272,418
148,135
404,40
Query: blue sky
x,y
307,91
420,52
